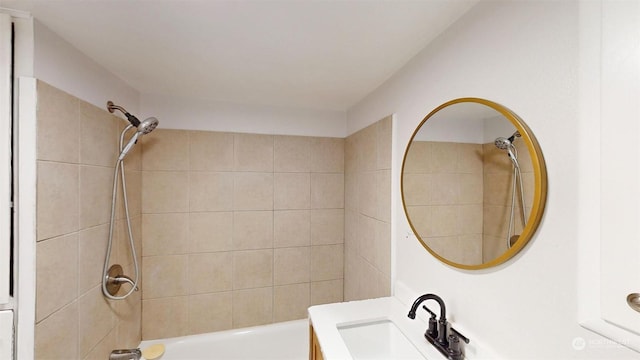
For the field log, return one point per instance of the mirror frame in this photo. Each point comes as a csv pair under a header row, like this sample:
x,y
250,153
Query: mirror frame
x,y
540,183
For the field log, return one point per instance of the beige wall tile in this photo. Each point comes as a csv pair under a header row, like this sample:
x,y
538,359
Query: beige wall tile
x,y
418,158
165,234
420,217
291,154
252,307
95,195
327,191
210,312
134,194
385,137
327,262
157,313
327,226
492,247
253,191
253,152
417,189
326,155
129,315
444,221
252,230
470,158
57,199
351,190
210,231
444,157
252,269
210,151
496,220
96,319
165,150
470,219
471,246
326,292
104,348
497,188
366,237
351,230
92,250
210,272
350,154
122,244
367,148
210,191
58,116
383,184
164,276
291,228
290,302
98,136
291,265
56,337
54,257
368,193
445,189
471,188
165,191
291,191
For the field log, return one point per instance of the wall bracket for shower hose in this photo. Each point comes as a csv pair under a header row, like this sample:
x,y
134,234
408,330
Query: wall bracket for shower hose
x,y
115,278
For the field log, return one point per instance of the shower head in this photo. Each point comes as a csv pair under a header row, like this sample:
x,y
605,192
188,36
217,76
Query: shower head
x,y
145,127
506,143
148,125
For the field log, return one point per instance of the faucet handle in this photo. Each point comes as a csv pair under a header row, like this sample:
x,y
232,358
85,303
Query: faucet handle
x,y
433,315
458,334
432,331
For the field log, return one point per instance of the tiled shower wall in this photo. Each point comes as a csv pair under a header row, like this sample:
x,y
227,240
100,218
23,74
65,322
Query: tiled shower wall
x,y
76,152
238,229
368,212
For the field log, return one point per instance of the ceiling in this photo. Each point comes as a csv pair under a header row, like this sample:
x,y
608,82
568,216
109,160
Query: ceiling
x,y
301,54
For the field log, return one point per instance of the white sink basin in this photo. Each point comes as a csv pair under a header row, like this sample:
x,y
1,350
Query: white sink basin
x,y
377,339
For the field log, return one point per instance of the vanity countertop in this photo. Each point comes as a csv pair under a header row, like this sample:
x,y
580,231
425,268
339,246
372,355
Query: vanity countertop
x,y
327,319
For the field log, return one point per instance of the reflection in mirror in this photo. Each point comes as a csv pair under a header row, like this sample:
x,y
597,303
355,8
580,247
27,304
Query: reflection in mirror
x,y
468,184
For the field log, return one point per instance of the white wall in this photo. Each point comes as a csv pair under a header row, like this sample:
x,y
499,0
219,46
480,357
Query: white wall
x,y
198,114
523,55
60,64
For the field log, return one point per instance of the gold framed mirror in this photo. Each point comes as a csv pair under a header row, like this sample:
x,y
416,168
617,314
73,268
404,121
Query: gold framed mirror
x,y
473,183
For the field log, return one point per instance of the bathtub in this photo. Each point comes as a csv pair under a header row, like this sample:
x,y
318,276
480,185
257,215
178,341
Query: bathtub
x,y
284,341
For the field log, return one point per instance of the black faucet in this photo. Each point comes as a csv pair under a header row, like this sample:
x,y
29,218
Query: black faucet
x,y
436,334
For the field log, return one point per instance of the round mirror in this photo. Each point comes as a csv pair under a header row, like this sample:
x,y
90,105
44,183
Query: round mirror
x,y
474,183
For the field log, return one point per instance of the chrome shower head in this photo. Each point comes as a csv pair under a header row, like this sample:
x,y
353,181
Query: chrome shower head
x,y
503,143
506,143
145,127
148,125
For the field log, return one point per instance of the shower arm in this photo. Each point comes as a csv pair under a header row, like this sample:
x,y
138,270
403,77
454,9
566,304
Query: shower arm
x,y
132,119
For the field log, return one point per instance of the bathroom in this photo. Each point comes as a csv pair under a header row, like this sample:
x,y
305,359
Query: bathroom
x,y
552,63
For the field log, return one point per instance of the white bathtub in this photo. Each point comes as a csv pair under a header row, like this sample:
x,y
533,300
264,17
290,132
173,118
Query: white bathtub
x,y
283,341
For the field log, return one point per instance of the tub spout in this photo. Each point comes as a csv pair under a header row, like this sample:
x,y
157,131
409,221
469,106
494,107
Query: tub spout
x,y
125,354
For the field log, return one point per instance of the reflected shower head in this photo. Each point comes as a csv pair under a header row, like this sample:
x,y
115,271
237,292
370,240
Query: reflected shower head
x,y
506,143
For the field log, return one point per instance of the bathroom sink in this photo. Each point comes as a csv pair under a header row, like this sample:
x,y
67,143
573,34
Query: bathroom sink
x,y
377,339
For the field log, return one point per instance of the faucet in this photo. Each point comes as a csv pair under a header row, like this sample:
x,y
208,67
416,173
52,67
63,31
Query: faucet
x,y
436,334
126,354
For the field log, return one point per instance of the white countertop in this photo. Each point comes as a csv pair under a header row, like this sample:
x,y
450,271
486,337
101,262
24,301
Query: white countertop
x,y
326,320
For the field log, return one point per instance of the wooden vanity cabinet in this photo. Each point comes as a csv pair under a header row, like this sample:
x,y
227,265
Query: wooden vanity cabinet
x,y
315,352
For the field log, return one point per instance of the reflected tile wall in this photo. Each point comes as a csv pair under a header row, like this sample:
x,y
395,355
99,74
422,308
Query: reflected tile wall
x,y
76,154
367,213
443,186
239,229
